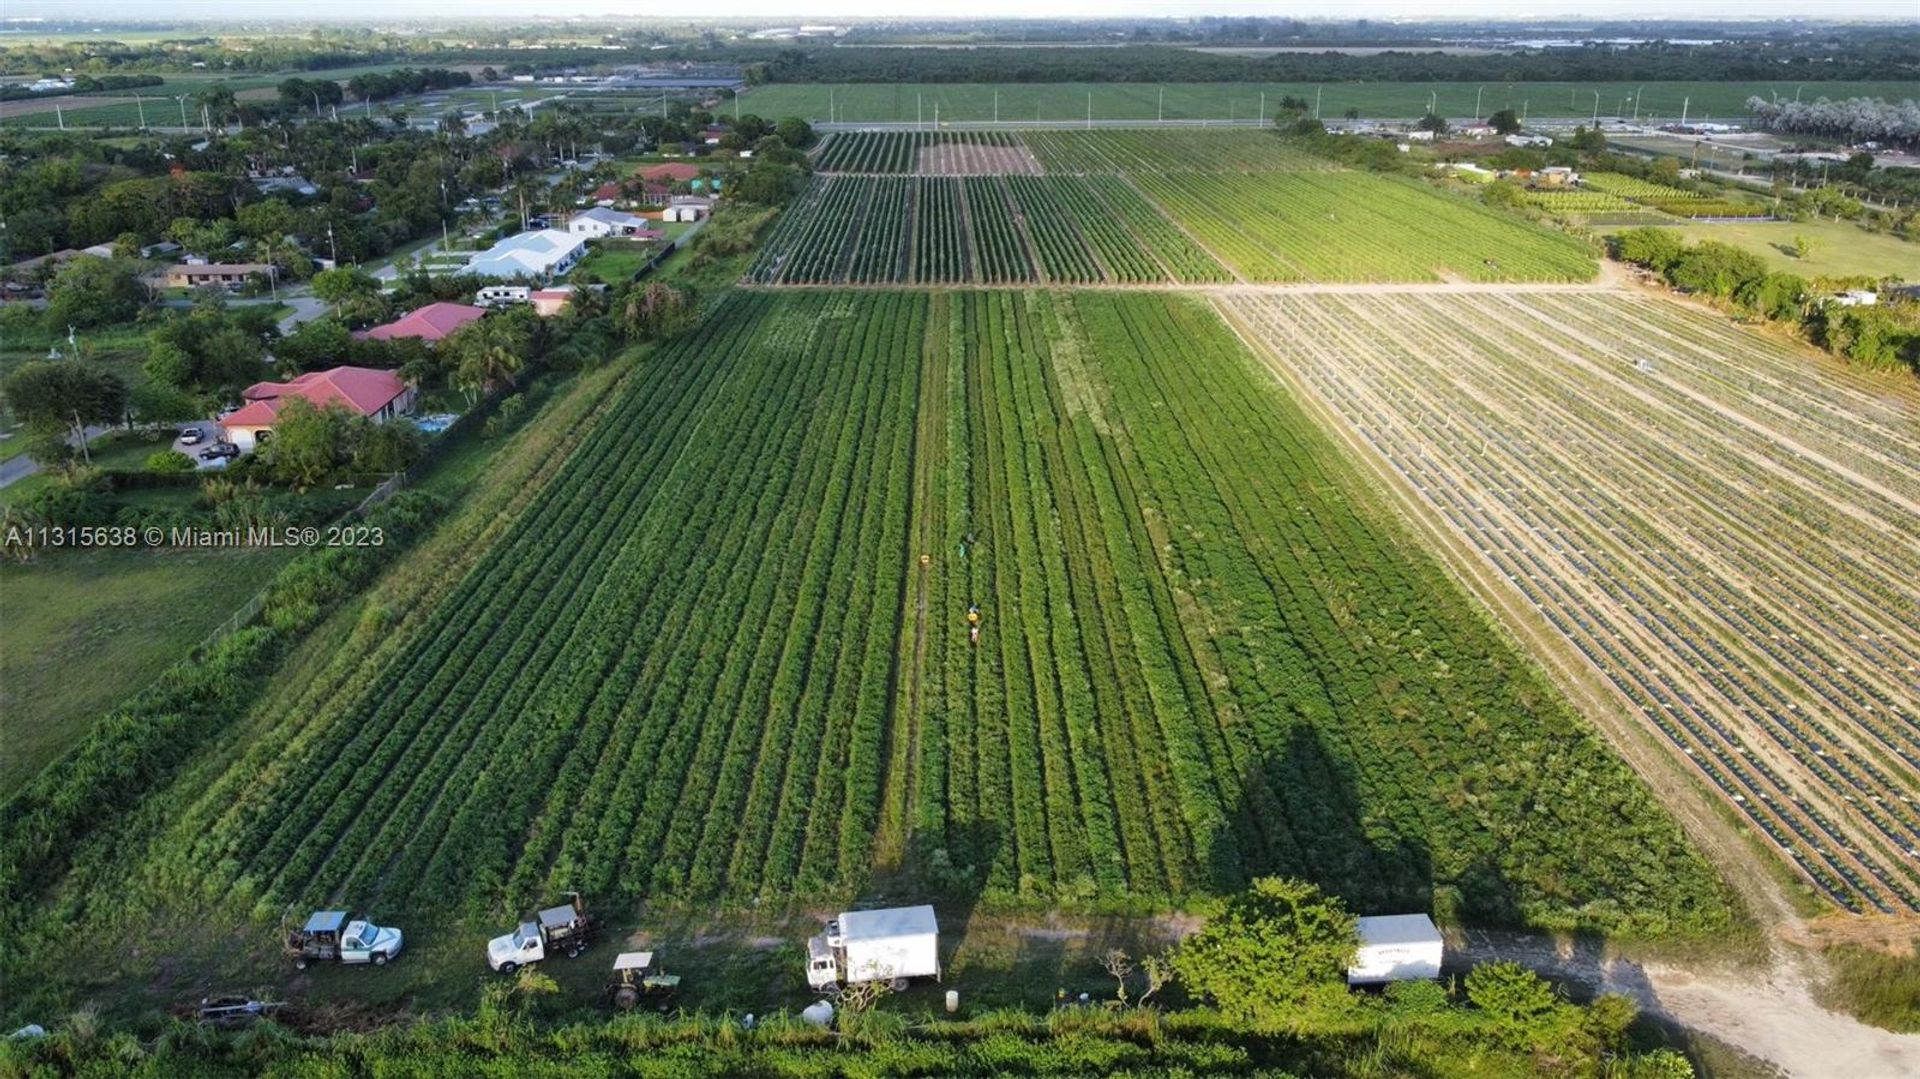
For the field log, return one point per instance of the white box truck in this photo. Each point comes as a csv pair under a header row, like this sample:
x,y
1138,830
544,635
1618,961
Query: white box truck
x,y
889,945
1396,948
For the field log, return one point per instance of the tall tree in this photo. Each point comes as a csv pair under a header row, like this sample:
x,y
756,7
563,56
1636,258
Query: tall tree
x,y
65,396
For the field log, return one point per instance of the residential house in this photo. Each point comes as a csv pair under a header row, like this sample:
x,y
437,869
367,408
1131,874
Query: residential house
x,y
230,275
608,194
431,323
546,253
548,302
600,221
370,392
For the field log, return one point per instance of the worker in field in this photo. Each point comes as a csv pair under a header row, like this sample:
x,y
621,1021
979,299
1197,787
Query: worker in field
x,y
973,623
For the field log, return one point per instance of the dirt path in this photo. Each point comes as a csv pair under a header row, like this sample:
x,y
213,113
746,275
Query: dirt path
x,y
1770,1014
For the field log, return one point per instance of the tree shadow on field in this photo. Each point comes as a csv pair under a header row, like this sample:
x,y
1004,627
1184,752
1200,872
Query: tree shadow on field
x,y
946,868
1301,814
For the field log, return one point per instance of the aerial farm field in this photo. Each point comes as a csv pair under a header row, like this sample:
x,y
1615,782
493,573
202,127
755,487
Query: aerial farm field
x,y
722,657
1719,524
1136,208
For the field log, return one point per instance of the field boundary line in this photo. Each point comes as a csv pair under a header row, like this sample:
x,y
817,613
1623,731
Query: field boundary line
x,y
1730,850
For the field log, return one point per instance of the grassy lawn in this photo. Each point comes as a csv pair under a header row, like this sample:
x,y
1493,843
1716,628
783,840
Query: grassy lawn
x,y
617,261
83,629
1839,248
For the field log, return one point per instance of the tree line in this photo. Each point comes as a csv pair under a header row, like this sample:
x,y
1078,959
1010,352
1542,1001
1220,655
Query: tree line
x,y
1157,63
1883,336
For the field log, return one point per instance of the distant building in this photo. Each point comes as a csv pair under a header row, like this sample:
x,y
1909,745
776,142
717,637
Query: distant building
x,y
1540,141
687,208
431,323
608,194
230,275
548,302
285,185
370,392
1556,176
1857,297
600,221
542,254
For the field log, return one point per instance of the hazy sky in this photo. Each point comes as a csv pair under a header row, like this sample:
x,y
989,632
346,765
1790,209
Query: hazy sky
x,y
376,11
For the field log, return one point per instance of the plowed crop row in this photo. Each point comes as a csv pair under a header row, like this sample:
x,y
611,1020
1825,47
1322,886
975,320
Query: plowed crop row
x,y
1721,525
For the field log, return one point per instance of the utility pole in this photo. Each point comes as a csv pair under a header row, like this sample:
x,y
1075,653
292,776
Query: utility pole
x,y
1476,103
1316,101
1262,121
1637,93
919,118
1596,109
1684,103
182,102
830,104
1160,117
1089,110
142,106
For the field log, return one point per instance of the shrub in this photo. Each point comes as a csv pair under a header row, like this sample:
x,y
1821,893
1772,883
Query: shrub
x,y
170,461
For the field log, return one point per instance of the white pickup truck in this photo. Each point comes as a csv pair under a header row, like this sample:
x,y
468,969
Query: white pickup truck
x,y
565,929
329,937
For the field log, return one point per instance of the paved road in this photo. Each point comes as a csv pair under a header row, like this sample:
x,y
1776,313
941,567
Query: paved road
x,y
20,466
306,308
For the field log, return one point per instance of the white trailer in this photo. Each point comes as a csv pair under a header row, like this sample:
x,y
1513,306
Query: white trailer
x,y
889,945
1396,948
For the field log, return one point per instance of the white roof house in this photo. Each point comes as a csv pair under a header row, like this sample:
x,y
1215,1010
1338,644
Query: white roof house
x,y
601,221
544,253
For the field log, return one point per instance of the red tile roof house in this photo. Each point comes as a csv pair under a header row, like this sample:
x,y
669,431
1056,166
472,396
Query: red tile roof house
x,y
370,392
429,323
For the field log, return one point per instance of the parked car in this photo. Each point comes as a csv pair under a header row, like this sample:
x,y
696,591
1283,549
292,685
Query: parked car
x,y
192,436
220,451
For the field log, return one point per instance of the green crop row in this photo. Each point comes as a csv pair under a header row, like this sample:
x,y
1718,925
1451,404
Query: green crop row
x,y
1349,226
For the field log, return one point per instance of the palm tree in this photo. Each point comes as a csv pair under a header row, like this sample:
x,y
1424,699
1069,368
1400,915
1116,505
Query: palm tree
x,y
489,352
